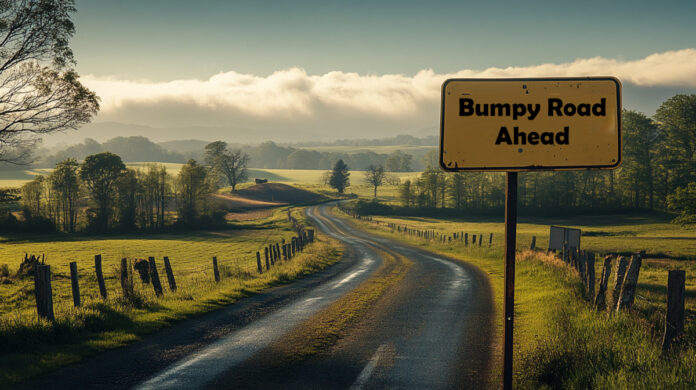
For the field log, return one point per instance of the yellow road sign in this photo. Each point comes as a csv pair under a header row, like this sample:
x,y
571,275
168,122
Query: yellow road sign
x,y
530,124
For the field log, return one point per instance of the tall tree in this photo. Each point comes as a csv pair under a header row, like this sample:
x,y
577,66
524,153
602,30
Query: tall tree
x,y
192,190
457,189
230,164
677,119
340,177
39,89
127,188
99,172
65,184
374,175
406,193
640,139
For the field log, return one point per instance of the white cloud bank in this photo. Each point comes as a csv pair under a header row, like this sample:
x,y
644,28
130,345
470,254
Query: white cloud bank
x,y
293,92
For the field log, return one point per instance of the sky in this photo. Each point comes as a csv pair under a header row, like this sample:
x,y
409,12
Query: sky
x,y
343,69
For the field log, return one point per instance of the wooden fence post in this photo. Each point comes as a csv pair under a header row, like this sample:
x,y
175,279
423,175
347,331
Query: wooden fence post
x,y
285,251
466,239
565,255
618,281
154,275
480,239
216,271
170,274
43,292
100,275
126,283
674,322
75,284
311,235
490,240
533,246
628,289
600,302
271,254
268,261
590,272
258,262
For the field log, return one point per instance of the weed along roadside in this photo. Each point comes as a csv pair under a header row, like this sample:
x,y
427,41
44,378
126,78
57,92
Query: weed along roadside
x,y
70,303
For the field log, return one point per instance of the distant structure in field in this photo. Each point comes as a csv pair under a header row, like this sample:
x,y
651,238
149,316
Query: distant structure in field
x,y
261,181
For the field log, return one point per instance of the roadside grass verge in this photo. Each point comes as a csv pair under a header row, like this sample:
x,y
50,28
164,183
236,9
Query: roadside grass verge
x,y
560,341
32,347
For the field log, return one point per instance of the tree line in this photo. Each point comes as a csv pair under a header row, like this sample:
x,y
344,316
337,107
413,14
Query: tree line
x,y
101,194
658,172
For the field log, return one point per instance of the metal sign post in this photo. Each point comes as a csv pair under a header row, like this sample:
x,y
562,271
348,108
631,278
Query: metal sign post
x,y
510,246
513,125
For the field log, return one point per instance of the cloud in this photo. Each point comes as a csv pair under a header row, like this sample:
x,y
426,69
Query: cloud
x,y
292,92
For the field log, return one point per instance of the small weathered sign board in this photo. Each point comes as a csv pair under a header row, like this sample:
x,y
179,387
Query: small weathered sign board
x,y
530,124
558,235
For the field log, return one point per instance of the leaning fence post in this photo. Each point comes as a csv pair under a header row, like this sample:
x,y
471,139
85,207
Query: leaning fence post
x,y
490,240
628,289
268,262
480,239
618,281
216,271
126,285
600,300
674,322
170,274
100,275
43,292
533,246
590,272
75,284
258,262
154,275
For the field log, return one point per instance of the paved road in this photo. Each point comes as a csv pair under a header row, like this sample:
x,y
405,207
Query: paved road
x,y
430,331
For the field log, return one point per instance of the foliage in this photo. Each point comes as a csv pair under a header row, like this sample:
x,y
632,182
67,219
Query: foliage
x,y
684,200
230,164
374,176
40,91
339,179
100,173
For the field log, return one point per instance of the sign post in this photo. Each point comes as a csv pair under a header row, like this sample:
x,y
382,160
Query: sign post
x,y
514,125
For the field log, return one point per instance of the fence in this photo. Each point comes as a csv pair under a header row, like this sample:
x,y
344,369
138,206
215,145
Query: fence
x,y
274,253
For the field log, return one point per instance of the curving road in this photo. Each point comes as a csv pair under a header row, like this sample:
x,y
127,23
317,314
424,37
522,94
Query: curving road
x,y
433,330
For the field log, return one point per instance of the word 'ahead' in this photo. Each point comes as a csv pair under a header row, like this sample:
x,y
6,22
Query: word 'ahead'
x,y
527,124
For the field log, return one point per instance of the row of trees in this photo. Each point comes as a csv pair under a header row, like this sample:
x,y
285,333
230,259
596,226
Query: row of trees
x,y
102,194
658,172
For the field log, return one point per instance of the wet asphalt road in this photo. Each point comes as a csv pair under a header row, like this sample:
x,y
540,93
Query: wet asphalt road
x,y
433,330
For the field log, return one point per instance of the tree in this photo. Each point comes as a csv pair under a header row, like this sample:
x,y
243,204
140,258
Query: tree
x,y
406,193
154,192
340,177
231,164
683,200
398,162
127,188
39,90
193,187
99,172
65,184
677,119
457,189
374,175
32,193
640,138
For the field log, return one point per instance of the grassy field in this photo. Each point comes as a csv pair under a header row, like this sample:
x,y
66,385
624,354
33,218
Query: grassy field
x,y
100,325
560,341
